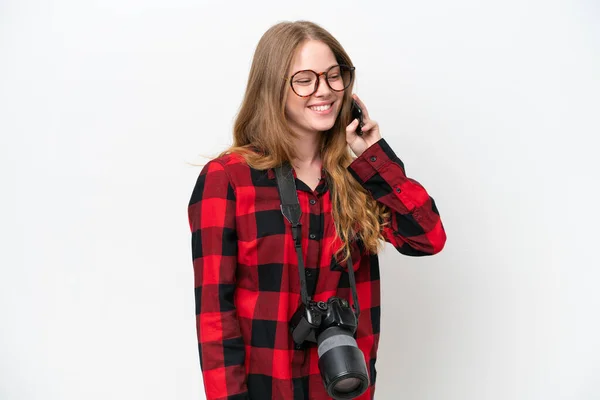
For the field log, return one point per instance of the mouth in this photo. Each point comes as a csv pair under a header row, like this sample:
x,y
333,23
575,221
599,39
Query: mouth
x,y
322,109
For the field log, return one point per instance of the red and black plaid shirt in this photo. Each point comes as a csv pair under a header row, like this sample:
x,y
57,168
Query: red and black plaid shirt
x,y
246,277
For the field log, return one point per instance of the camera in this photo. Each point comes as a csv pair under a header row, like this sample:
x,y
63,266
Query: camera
x,y
331,325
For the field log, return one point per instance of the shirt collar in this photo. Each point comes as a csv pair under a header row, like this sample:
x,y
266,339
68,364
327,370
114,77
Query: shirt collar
x,y
271,173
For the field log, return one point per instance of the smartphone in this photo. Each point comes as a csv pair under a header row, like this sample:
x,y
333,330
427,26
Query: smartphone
x,y
357,114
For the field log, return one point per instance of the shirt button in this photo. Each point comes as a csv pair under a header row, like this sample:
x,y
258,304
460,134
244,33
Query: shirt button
x,y
398,190
373,158
298,347
312,236
313,201
308,273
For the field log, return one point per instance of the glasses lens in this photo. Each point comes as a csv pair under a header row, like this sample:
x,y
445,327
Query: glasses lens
x,y
339,77
303,83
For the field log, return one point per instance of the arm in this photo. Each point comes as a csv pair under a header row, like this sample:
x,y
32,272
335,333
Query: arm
x,y
211,213
415,226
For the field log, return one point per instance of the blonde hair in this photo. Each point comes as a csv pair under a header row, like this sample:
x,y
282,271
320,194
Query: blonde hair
x,y
261,124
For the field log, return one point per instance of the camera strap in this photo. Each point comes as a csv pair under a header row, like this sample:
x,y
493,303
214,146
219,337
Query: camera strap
x,y
290,208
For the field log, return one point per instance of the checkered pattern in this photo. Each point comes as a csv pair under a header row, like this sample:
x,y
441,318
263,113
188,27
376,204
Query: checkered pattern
x,y
246,276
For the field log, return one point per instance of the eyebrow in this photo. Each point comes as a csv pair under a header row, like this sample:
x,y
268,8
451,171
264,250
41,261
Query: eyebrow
x,y
308,69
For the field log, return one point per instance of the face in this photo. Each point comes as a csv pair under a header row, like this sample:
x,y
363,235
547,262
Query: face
x,y
310,115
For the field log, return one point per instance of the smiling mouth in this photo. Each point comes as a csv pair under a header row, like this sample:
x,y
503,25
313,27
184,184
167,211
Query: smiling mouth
x,y
322,108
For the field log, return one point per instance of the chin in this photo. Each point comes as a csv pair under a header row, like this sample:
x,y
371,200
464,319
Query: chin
x,y
323,128
323,125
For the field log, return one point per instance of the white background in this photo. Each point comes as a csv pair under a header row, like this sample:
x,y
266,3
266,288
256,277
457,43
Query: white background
x,y
493,107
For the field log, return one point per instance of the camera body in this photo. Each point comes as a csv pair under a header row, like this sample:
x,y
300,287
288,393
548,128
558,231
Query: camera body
x,y
310,320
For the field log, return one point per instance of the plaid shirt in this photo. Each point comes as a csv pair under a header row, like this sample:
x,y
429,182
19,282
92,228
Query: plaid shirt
x,y
246,276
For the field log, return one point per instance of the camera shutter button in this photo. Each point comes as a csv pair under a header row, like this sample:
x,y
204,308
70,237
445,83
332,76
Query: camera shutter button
x,y
322,305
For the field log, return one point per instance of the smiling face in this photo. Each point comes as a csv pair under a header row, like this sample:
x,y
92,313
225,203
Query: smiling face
x,y
318,112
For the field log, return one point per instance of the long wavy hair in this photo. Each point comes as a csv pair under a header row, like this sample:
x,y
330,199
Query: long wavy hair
x,y
263,138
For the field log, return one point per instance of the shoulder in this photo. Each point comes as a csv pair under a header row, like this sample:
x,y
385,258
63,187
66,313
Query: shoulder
x,y
228,158
236,168
232,163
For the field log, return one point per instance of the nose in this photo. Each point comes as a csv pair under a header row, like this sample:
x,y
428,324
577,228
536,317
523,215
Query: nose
x,y
323,89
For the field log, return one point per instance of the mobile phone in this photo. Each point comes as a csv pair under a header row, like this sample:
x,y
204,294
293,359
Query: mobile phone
x,y
357,114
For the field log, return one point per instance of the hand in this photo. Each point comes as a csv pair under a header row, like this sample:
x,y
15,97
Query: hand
x,y
370,130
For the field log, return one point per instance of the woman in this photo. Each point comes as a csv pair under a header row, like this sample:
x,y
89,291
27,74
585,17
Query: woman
x,y
296,109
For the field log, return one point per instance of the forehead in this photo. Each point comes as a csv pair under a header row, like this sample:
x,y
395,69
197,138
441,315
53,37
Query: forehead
x,y
313,55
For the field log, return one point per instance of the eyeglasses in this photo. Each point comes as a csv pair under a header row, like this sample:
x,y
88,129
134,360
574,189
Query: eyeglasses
x,y
306,82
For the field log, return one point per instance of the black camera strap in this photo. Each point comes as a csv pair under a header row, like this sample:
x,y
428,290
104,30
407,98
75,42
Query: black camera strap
x,y
290,208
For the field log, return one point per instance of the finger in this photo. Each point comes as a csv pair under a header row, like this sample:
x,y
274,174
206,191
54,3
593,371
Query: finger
x,y
369,125
352,127
362,106
351,134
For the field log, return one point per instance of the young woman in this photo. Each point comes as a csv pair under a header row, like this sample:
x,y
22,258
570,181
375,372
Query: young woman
x,y
296,110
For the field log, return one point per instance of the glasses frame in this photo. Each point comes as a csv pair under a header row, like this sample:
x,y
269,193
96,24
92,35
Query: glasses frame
x,y
318,80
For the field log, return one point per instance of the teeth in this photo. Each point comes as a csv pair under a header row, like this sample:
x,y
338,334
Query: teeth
x,y
321,108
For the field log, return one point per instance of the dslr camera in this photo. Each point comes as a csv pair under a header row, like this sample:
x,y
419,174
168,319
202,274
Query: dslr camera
x,y
331,325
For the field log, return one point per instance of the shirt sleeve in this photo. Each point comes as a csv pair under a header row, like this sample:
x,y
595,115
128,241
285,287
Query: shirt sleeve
x,y
415,227
211,213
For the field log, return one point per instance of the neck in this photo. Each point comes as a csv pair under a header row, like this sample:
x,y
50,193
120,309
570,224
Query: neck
x,y
307,152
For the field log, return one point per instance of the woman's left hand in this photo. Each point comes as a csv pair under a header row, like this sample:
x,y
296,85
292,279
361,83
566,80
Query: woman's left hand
x,y
370,131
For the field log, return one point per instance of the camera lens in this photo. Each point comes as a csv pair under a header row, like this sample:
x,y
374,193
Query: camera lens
x,y
347,385
342,364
